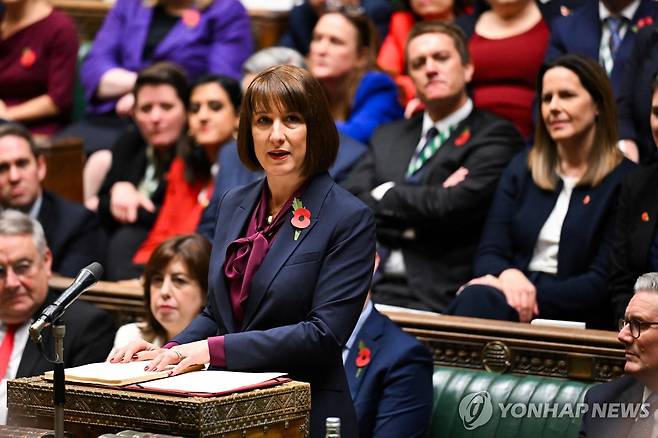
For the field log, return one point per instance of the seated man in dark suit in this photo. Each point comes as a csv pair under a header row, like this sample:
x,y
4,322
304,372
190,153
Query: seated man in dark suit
x,y
639,334
390,378
72,231
431,179
25,267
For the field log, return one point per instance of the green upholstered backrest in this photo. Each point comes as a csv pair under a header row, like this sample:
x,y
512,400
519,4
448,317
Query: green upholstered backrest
x,y
451,385
78,92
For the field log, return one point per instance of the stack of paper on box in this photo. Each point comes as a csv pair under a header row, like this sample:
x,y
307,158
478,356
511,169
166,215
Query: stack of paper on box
x,y
195,381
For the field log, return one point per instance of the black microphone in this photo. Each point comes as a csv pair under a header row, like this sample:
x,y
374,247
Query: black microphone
x,y
87,277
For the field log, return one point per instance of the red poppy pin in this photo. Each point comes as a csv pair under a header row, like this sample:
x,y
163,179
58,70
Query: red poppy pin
x,y
28,57
463,137
191,17
645,216
642,22
362,358
586,199
301,217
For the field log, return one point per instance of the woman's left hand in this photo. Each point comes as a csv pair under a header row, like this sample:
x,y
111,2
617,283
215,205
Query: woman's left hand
x,y
185,355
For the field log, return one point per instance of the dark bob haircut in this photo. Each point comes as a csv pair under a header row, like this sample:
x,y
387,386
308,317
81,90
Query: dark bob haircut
x,y
290,89
191,249
165,73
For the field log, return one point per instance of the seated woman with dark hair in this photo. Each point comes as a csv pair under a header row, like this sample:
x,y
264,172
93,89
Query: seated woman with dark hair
x,y
213,121
134,188
341,58
545,246
175,288
290,272
635,246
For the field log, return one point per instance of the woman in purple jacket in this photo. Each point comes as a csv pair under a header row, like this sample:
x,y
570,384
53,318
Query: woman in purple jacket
x,y
202,36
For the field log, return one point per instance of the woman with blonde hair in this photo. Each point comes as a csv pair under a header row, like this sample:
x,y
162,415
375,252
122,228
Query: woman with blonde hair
x,y
545,247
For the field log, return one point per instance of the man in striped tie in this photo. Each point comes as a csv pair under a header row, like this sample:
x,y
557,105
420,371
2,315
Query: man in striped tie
x,y
430,179
25,262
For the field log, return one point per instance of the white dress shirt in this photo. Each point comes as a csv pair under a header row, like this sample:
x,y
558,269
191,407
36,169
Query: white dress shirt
x,y
20,339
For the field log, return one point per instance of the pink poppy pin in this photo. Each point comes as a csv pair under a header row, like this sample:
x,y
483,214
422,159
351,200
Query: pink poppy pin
x,y
28,57
586,199
362,358
463,138
642,22
645,216
301,217
191,17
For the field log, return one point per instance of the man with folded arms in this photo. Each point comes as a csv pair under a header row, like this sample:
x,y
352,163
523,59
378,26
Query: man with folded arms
x,y
430,179
25,267
638,331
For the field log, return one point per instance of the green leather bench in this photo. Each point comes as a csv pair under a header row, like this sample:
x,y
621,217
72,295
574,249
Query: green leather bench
x,y
452,385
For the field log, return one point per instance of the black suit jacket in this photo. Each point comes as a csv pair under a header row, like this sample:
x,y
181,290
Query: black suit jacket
x,y
623,390
73,234
634,233
447,222
89,337
129,163
634,100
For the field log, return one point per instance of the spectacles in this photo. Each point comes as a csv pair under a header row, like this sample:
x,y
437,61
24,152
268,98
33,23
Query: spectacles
x,y
349,10
635,326
21,268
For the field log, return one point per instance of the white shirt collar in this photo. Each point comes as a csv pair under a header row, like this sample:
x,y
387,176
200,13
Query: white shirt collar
x,y
451,120
365,313
628,11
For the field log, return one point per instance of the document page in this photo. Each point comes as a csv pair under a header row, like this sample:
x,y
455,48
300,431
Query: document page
x,y
210,382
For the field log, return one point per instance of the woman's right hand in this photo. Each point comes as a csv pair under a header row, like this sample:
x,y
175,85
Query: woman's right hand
x,y
137,350
125,201
520,293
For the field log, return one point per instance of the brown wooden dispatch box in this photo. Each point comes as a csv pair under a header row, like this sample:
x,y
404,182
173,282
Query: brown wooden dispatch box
x,y
279,411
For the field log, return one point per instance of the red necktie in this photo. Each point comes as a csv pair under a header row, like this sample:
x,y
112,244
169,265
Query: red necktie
x,y
5,350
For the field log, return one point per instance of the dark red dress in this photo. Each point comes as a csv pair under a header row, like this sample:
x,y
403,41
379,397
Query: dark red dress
x,y
505,74
40,59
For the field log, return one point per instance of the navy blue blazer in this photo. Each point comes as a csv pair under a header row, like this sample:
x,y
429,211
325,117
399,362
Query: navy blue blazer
x,y
580,33
305,298
623,390
634,100
519,211
73,234
393,393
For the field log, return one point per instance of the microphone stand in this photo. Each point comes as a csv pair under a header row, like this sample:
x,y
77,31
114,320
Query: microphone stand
x,y
59,387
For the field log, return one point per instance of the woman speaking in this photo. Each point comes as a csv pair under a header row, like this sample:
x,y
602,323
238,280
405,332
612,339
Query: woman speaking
x,y
292,256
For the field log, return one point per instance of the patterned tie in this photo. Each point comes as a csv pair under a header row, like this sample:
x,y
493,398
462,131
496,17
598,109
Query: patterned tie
x,y
5,350
433,140
615,24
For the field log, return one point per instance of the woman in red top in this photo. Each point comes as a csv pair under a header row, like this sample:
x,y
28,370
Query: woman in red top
x,y
38,53
507,44
213,118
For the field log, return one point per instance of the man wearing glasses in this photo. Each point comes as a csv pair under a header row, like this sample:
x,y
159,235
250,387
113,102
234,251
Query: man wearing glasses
x,y
638,331
25,267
